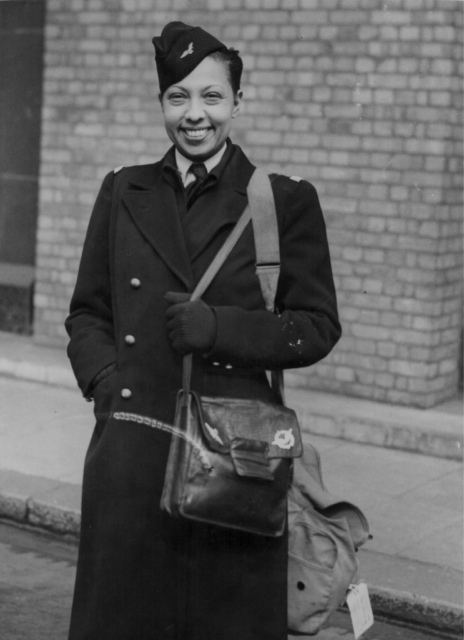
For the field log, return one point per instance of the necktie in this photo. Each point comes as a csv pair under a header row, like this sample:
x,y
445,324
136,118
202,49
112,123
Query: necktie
x,y
199,171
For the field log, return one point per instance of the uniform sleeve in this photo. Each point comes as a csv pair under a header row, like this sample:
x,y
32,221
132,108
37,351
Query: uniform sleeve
x,y
90,321
307,327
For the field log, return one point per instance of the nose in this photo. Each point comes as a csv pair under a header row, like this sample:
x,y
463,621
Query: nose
x,y
195,111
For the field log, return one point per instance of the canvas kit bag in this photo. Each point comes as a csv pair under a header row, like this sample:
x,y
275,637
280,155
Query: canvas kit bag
x,y
236,461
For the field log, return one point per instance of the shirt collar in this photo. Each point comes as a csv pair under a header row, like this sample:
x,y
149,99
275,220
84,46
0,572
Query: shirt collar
x,y
184,164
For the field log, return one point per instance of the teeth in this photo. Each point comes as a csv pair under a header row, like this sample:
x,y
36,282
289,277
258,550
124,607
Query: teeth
x,y
196,133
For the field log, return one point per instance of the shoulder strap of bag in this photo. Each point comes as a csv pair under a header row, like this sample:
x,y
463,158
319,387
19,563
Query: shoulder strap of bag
x,y
206,280
261,210
221,255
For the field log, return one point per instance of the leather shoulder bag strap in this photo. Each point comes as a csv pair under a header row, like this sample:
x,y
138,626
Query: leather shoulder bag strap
x,y
206,280
261,210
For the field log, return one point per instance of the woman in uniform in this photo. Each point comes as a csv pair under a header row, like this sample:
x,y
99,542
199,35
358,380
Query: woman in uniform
x,y
154,230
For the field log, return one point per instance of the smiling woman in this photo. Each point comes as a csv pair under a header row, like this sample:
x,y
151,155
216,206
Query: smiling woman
x,y
142,574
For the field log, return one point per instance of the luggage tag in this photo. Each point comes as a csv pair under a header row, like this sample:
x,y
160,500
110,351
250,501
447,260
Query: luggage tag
x,y
360,608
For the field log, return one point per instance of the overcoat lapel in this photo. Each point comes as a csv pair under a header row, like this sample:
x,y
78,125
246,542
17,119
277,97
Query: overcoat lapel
x,y
153,208
154,211
222,206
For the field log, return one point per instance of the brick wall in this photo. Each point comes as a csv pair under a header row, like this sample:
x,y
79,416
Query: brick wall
x,y
361,97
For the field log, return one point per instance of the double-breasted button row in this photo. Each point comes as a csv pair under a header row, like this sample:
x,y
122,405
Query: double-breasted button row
x,y
218,364
130,340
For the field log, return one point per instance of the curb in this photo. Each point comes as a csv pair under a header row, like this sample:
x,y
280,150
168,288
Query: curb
x,y
425,613
428,432
41,503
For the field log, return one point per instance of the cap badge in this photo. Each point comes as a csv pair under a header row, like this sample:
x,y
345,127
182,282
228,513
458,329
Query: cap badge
x,y
188,51
284,439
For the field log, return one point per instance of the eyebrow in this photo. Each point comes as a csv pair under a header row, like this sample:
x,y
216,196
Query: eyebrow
x,y
181,88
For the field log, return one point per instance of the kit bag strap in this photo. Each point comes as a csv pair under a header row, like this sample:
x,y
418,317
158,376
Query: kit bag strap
x,y
266,235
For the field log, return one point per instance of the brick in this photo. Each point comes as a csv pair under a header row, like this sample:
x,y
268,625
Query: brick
x,y
373,332
445,33
345,374
310,17
322,94
412,369
328,33
341,142
440,98
352,254
410,33
390,17
250,32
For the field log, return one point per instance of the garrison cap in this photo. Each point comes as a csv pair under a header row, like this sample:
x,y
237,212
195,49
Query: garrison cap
x,y
179,49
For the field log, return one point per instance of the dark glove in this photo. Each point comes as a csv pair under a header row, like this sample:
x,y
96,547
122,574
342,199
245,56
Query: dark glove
x,y
191,325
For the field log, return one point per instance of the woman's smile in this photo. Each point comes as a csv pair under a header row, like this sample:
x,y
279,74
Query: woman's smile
x,y
196,134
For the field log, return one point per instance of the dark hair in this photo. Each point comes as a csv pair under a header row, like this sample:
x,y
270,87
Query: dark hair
x,y
234,66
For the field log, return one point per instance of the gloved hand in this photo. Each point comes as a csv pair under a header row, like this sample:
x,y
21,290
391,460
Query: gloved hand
x,y
191,325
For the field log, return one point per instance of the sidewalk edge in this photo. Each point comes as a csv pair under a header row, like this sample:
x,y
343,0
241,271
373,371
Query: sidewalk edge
x,y
416,610
380,432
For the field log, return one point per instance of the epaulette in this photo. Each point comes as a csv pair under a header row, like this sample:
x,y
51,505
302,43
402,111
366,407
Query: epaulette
x,y
118,169
296,178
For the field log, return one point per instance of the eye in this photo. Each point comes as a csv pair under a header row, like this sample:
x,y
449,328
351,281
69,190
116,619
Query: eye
x,y
212,97
176,98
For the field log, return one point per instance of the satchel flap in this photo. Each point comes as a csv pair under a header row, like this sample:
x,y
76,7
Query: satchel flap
x,y
250,458
355,518
273,424
308,490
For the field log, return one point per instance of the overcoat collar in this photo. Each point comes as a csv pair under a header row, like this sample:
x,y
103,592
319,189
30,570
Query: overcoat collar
x,y
152,205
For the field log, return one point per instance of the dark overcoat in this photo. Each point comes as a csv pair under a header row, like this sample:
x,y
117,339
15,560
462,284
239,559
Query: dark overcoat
x,y
142,574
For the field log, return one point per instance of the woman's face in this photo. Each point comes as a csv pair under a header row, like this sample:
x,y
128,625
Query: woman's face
x,y
198,111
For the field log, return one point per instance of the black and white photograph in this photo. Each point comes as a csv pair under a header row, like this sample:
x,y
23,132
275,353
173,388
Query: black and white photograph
x,y
231,319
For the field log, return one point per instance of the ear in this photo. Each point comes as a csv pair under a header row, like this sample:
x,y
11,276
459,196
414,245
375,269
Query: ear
x,y
160,98
237,103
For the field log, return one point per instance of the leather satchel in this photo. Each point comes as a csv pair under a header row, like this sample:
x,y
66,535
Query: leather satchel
x,y
230,458
231,468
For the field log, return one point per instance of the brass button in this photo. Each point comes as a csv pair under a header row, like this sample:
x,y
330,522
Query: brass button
x,y
135,283
126,394
129,340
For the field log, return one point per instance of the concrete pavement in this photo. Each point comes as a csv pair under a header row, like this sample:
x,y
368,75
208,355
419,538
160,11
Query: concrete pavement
x,y
413,501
